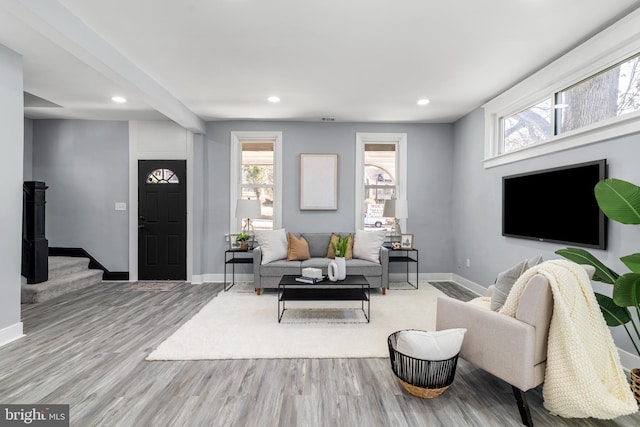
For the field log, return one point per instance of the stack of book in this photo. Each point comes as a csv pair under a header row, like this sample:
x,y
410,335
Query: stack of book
x,y
310,280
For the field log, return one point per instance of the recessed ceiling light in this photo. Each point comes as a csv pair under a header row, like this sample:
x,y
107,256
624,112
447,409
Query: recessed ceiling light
x,y
119,99
423,101
273,99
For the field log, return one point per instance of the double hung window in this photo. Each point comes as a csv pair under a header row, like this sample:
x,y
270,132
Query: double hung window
x,y
380,176
256,174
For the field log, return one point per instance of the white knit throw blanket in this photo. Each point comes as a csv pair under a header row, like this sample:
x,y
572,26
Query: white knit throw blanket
x,y
583,377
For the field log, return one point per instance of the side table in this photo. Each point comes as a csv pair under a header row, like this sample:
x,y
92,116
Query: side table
x,y
232,258
407,256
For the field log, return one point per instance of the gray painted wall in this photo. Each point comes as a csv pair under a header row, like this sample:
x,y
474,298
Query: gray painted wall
x,y
12,139
430,164
28,150
477,206
85,163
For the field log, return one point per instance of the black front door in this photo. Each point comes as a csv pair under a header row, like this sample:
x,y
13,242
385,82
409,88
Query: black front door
x,y
162,220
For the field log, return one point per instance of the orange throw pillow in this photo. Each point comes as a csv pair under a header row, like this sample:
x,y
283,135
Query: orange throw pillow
x,y
298,249
334,239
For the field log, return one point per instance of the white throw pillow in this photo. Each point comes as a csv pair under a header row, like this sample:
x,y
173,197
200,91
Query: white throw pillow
x,y
366,245
432,345
273,244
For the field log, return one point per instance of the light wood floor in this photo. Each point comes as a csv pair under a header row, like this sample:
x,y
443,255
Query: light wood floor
x,y
87,349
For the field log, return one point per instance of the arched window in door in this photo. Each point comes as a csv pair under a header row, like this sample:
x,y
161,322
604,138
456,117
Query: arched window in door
x,y
162,176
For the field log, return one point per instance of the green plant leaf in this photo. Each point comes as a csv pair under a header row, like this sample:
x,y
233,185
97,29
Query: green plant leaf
x,y
242,237
341,245
632,262
613,314
626,290
580,256
619,200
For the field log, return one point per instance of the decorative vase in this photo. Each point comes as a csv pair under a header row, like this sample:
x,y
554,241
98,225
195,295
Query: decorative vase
x,y
337,269
342,268
635,384
332,271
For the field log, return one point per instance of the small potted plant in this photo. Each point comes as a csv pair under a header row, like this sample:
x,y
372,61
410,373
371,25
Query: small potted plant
x,y
340,246
243,239
337,269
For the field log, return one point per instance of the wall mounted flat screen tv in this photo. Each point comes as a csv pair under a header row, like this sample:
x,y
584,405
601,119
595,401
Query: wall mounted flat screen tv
x,y
556,205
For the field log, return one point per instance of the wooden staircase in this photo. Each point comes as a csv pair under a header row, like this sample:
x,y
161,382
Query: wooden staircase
x,y
66,274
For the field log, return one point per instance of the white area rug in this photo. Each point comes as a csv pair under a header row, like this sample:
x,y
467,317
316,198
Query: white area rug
x,y
243,325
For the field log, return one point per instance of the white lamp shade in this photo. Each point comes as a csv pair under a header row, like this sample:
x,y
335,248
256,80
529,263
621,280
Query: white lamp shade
x,y
246,208
389,210
402,209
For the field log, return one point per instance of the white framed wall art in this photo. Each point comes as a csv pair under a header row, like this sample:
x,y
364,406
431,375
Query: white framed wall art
x,y
318,182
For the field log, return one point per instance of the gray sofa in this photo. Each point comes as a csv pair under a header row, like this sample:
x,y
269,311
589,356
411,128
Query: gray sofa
x,y
268,275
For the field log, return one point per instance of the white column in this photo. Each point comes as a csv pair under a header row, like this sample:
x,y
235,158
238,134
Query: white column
x,y
11,167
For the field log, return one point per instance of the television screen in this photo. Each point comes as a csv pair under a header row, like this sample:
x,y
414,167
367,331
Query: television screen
x,y
555,205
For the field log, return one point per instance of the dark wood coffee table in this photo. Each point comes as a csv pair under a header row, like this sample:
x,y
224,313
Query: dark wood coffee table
x,y
354,287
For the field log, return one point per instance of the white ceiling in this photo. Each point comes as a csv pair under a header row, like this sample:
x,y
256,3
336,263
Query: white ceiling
x,y
352,60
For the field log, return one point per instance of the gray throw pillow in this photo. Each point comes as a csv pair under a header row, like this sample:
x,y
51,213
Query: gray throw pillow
x,y
318,243
533,261
504,283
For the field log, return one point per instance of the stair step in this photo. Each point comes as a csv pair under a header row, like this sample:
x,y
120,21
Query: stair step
x,y
52,288
60,266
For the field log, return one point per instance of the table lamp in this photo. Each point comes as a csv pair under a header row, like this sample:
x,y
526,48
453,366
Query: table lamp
x,y
246,210
396,209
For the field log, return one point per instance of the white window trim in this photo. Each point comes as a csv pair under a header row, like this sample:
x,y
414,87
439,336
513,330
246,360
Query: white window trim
x,y
400,139
237,138
614,44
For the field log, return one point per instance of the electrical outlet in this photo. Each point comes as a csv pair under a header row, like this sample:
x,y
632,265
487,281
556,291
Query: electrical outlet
x,y
468,263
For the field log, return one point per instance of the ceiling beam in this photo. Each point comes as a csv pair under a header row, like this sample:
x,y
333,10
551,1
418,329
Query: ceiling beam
x,y
57,23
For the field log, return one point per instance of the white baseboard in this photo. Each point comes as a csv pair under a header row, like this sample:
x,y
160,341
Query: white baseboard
x,y
472,286
11,333
397,277
435,277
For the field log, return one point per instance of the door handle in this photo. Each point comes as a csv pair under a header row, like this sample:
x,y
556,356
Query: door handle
x,y
140,226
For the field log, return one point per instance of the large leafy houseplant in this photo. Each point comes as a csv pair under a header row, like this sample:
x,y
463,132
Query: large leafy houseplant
x,y
620,201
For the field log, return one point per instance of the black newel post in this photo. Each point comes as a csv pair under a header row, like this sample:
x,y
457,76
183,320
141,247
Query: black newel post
x,y
35,247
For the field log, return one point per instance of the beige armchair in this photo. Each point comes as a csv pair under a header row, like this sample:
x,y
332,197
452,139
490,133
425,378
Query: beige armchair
x,y
512,349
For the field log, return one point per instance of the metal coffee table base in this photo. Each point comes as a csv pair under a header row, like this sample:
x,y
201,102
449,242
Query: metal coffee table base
x,y
353,288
